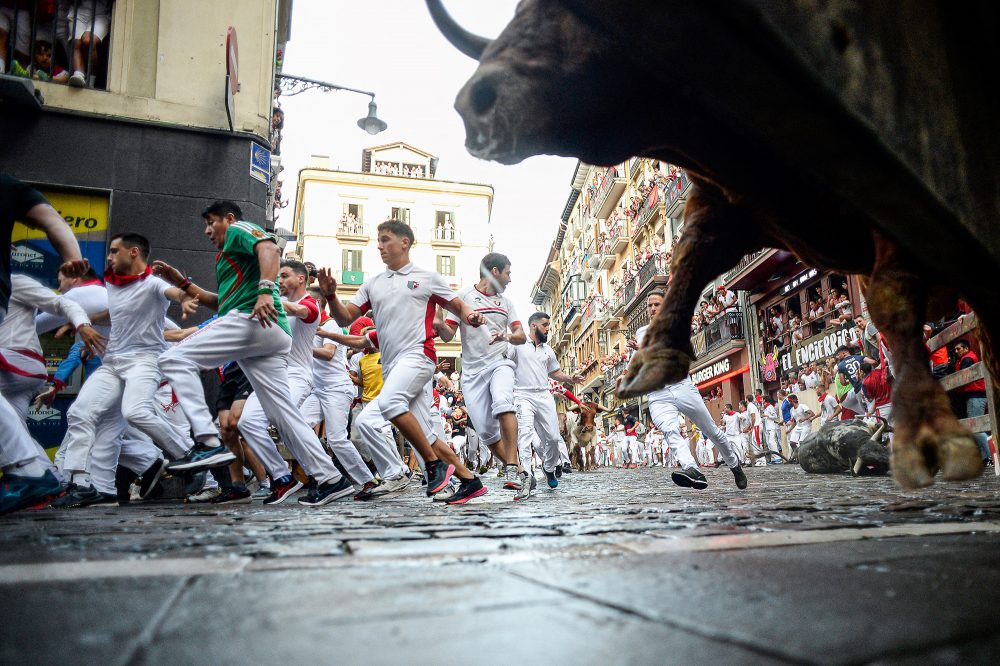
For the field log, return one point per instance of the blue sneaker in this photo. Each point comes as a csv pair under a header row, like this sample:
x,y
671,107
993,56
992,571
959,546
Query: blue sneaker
x,y
18,492
202,457
553,481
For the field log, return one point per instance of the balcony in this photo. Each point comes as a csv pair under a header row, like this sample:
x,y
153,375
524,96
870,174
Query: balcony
x,y
634,166
350,229
675,194
573,311
608,193
724,329
650,208
652,269
594,309
353,278
446,237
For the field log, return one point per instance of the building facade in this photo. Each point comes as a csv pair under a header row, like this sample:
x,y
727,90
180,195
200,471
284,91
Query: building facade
x,y
337,214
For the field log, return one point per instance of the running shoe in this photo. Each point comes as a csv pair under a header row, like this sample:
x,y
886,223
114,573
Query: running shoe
x,y
567,468
391,486
741,478
367,492
282,488
203,496
446,494
233,495
262,493
19,492
689,478
78,496
552,478
558,471
149,478
202,457
513,482
324,493
123,484
528,484
468,489
438,474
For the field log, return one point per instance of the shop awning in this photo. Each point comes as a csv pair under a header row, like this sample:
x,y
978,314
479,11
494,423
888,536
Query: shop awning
x,y
715,380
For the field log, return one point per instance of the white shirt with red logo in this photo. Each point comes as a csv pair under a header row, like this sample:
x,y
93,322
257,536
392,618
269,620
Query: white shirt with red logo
x,y
498,311
300,356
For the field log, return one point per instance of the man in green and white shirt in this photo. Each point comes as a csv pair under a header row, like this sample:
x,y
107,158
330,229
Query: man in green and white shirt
x,y
253,330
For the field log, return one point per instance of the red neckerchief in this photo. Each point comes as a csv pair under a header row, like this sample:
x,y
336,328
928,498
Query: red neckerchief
x,y
822,397
90,283
124,280
730,413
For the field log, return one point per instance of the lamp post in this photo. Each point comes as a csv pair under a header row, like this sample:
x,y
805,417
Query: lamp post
x,y
293,85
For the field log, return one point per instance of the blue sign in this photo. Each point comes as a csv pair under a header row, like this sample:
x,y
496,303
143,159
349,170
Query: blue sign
x,y
48,424
37,258
260,163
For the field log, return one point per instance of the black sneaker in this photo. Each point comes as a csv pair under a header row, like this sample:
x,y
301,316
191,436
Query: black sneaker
x,y
123,484
567,468
77,497
327,492
151,477
468,489
741,478
367,492
438,474
689,478
202,457
282,488
233,495
552,478
558,471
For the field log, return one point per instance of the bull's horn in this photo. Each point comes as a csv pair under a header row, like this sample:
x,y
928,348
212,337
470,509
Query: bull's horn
x,y
877,435
468,43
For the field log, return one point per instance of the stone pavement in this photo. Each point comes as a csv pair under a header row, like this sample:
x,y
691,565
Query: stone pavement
x,y
617,566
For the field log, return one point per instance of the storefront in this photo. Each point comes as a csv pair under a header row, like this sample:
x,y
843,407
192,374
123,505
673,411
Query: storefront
x,y
725,379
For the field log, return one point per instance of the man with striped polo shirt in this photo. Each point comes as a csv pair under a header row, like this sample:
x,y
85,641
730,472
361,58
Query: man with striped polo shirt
x,y
251,329
403,301
487,370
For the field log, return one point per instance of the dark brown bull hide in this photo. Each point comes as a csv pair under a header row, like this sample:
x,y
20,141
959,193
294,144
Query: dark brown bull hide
x,y
859,136
581,428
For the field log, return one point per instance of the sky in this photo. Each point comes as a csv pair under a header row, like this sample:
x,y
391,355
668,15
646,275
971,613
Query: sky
x,y
392,48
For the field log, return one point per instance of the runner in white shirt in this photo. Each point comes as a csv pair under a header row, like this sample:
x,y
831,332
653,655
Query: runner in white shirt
x,y
88,292
535,363
402,301
802,417
734,426
772,433
829,408
752,430
129,376
331,398
665,408
303,315
487,371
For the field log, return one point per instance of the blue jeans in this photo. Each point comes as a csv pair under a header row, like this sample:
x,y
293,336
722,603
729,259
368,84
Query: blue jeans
x,y
977,407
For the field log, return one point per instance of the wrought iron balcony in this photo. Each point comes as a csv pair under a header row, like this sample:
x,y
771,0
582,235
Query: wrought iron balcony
x,y
725,328
608,193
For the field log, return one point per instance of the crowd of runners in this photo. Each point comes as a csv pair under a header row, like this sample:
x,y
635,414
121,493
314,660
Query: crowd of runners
x,y
293,362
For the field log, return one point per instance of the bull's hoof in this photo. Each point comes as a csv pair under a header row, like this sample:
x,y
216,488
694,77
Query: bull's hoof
x,y
653,368
910,466
960,457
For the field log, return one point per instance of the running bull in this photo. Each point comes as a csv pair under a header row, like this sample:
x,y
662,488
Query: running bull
x,y
581,429
861,137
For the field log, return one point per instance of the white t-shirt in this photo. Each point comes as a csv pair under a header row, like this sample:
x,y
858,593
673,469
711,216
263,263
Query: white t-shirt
x,y
753,413
331,374
799,414
402,305
300,356
744,420
810,379
138,313
532,366
93,298
770,418
27,296
732,423
477,352
828,404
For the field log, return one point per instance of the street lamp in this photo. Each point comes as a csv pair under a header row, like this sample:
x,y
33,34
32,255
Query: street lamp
x,y
293,85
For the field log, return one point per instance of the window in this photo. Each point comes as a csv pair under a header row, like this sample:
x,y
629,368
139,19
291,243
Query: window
x,y
351,260
446,264
401,214
444,226
354,210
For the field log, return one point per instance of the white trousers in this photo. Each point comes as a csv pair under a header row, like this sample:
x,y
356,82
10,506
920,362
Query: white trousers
x,y
773,439
333,405
263,355
688,401
131,449
666,417
536,413
488,394
632,449
127,385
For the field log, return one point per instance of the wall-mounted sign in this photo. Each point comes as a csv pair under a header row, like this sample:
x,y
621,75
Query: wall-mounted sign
x,y
818,347
799,281
711,371
260,163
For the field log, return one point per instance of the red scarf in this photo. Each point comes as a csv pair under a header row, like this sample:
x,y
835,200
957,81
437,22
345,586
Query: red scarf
x,y
730,412
89,283
124,280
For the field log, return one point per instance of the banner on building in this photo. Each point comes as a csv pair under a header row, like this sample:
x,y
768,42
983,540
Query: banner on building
x,y
815,349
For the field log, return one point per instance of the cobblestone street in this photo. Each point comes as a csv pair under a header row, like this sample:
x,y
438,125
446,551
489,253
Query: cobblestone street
x,y
617,566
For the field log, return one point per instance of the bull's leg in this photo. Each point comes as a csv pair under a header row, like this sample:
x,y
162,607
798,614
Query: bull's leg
x,y
927,435
715,236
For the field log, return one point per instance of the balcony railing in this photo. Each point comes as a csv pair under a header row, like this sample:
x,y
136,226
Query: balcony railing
x,y
653,267
613,371
446,235
725,328
649,207
352,228
593,309
676,188
604,190
744,263
352,278
633,166
572,309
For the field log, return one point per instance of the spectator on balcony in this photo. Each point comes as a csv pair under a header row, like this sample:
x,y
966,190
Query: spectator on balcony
x,y
795,326
88,23
727,298
810,376
777,321
843,310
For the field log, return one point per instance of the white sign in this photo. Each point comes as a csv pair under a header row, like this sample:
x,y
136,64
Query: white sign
x,y
46,413
819,347
22,254
711,371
